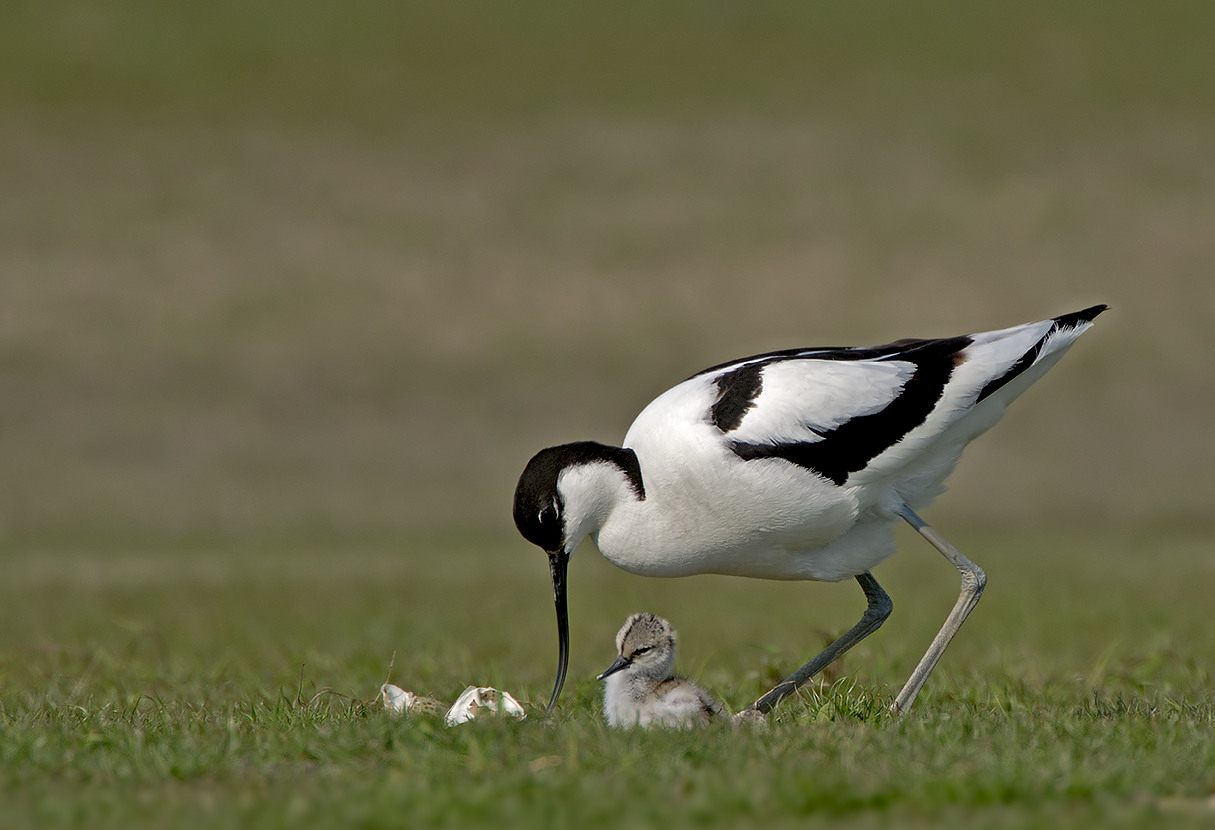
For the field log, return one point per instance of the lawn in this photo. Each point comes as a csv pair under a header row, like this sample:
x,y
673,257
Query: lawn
x,y
212,687
289,295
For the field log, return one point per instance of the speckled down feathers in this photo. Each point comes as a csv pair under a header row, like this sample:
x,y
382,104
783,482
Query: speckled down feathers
x,y
640,688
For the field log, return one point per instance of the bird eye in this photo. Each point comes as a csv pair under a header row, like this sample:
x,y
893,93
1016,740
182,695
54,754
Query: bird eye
x,y
642,650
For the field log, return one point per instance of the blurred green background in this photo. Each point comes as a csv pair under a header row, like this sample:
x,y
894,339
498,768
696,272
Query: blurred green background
x,y
331,272
290,292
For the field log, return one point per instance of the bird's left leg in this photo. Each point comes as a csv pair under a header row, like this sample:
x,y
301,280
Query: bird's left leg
x,y
875,614
973,582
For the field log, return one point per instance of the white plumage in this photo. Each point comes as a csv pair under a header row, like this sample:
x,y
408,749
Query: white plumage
x,y
786,465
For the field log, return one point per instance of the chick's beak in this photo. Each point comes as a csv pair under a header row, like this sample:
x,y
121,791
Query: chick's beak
x,y
621,662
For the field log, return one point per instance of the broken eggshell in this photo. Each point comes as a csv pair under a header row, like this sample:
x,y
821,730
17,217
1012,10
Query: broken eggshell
x,y
399,701
475,700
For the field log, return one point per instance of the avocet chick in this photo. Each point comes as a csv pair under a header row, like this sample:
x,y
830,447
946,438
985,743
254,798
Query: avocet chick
x,y
640,688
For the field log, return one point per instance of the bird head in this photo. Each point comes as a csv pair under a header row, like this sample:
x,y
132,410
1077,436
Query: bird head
x,y
564,495
645,646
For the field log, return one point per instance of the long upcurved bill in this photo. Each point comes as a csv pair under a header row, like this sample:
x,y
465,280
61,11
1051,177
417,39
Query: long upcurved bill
x,y
557,563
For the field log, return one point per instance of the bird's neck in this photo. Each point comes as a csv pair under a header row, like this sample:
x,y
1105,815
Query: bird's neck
x,y
590,493
631,686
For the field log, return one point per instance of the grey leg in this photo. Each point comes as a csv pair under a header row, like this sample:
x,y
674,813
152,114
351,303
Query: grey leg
x,y
876,614
973,582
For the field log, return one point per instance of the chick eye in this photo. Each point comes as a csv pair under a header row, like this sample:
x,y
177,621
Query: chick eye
x,y
642,650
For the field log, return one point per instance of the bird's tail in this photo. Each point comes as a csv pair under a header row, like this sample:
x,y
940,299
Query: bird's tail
x,y
1018,356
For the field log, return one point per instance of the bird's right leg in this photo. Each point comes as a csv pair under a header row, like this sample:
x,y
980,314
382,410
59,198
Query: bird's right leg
x,y
876,614
974,580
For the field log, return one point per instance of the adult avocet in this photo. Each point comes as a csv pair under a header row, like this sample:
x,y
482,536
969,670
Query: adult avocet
x,y
789,465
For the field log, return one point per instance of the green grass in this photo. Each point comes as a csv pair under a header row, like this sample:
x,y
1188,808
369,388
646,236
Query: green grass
x,y
290,291
219,686
1074,759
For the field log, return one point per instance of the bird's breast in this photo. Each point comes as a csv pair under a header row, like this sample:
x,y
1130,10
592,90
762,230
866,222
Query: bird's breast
x,y
761,519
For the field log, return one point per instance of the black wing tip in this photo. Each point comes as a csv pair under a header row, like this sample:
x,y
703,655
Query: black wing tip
x,y
1079,318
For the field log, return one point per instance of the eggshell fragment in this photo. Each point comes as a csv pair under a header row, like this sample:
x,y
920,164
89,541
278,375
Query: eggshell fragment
x,y
475,700
399,701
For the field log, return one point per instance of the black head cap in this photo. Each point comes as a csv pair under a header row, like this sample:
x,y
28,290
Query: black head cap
x,y
538,507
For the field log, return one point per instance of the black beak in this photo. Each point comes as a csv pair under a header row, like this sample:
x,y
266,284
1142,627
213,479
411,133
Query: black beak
x,y
557,564
621,662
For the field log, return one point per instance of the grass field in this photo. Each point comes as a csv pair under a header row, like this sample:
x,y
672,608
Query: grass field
x,y
209,687
289,294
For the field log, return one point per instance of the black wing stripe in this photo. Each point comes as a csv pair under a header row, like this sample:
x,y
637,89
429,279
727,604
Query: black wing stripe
x,y
737,391
853,444
738,388
888,350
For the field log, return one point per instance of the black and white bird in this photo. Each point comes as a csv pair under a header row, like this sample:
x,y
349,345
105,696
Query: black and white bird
x,y
789,465
641,688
